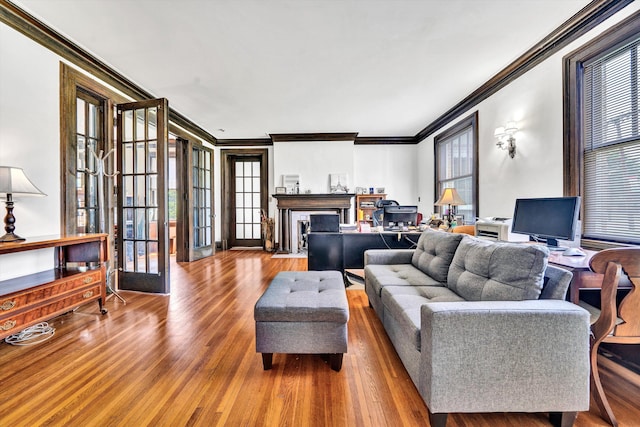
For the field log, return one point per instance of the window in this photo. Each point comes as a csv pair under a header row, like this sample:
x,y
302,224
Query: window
x,y
457,165
89,143
603,148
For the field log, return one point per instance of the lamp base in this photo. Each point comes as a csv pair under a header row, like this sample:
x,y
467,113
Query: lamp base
x,y
10,237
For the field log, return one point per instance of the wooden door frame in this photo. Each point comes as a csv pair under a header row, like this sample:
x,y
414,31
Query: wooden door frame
x,y
227,156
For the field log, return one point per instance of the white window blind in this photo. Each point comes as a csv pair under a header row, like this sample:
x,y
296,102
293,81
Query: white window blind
x,y
612,146
455,169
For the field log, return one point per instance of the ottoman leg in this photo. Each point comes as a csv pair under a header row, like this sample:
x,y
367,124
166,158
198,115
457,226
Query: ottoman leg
x,y
336,361
267,358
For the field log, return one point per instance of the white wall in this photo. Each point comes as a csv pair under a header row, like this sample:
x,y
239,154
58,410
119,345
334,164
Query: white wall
x,y
393,167
314,161
30,139
535,101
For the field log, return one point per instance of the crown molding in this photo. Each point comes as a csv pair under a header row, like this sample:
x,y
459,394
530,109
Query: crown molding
x,y
585,20
385,140
41,33
249,142
292,137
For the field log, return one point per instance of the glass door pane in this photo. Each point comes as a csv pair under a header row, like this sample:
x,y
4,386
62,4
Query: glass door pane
x,y
142,198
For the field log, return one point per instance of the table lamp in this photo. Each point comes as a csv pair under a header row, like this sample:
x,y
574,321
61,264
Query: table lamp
x,y
451,198
13,182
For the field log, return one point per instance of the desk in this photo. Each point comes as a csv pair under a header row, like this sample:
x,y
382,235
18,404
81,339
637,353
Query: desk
x,y
583,277
338,251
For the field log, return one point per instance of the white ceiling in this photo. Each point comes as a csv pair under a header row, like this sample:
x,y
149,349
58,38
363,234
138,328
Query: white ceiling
x,y
255,67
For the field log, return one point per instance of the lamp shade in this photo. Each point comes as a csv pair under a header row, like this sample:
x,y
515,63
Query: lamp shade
x,y
13,181
450,197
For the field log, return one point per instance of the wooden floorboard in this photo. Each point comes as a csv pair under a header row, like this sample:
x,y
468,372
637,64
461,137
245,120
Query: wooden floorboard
x,y
189,359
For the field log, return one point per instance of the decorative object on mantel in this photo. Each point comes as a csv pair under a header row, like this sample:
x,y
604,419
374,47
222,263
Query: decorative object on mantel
x,y
291,183
451,198
505,138
338,183
14,182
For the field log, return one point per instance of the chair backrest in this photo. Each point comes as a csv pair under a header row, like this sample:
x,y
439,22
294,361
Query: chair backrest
x,y
466,229
629,309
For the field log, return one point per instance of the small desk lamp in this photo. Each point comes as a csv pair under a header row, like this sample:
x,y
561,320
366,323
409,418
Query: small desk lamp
x,y
451,198
13,181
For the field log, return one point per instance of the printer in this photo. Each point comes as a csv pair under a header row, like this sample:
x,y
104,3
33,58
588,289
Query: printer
x,y
498,229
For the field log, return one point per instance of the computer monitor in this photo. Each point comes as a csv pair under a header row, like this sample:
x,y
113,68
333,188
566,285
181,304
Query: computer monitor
x,y
547,219
399,216
324,223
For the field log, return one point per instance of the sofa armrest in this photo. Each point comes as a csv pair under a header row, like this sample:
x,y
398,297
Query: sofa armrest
x,y
388,256
495,356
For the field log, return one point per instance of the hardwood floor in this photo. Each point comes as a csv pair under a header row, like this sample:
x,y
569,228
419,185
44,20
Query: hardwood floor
x,y
189,360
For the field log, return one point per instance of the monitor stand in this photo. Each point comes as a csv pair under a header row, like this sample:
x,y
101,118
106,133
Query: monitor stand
x,y
553,246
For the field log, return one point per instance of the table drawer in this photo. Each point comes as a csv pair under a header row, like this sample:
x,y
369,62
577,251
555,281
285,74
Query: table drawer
x,y
28,297
10,324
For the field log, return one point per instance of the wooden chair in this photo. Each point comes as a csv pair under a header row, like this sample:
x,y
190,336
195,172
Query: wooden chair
x,y
466,229
621,325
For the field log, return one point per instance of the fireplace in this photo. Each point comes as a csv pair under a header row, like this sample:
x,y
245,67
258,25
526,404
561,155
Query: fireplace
x,y
339,203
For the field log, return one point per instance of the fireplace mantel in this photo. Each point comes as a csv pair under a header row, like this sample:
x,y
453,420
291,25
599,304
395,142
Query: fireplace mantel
x,y
334,202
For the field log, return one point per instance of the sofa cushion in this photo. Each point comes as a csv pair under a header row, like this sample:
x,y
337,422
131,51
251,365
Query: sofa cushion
x,y
434,253
378,276
486,271
403,304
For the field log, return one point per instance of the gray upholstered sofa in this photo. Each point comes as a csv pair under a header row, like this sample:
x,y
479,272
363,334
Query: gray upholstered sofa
x,y
483,326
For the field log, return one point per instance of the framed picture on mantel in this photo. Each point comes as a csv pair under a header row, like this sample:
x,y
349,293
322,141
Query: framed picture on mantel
x,y
338,183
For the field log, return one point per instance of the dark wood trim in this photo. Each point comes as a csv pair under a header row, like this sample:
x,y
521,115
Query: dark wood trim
x,y
572,72
586,19
384,140
472,121
70,81
289,137
250,142
227,156
41,33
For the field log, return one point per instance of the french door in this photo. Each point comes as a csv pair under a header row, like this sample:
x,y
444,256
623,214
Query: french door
x,y
244,196
196,235
142,140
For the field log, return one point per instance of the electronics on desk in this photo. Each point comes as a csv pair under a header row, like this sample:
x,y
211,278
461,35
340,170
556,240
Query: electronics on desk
x,y
324,223
398,217
548,220
494,229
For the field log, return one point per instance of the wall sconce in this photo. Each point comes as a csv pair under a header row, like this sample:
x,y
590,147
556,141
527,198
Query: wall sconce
x,y
13,182
505,138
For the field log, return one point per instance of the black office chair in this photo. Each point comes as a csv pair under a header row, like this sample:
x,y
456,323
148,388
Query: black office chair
x,y
378,214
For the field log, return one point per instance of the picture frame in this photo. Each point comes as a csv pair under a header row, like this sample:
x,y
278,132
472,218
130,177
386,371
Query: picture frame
x,y
338,183
380,190
281,190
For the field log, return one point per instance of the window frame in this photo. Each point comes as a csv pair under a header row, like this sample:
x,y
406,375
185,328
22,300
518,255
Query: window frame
x,y
469,121
573,142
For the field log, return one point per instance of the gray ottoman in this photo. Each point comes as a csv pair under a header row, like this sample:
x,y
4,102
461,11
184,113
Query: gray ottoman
x,y
303,312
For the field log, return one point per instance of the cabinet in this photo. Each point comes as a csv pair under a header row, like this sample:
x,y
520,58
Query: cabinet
x,y
366,205
78,276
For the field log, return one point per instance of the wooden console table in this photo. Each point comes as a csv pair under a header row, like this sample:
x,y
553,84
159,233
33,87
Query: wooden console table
x,y
78,276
